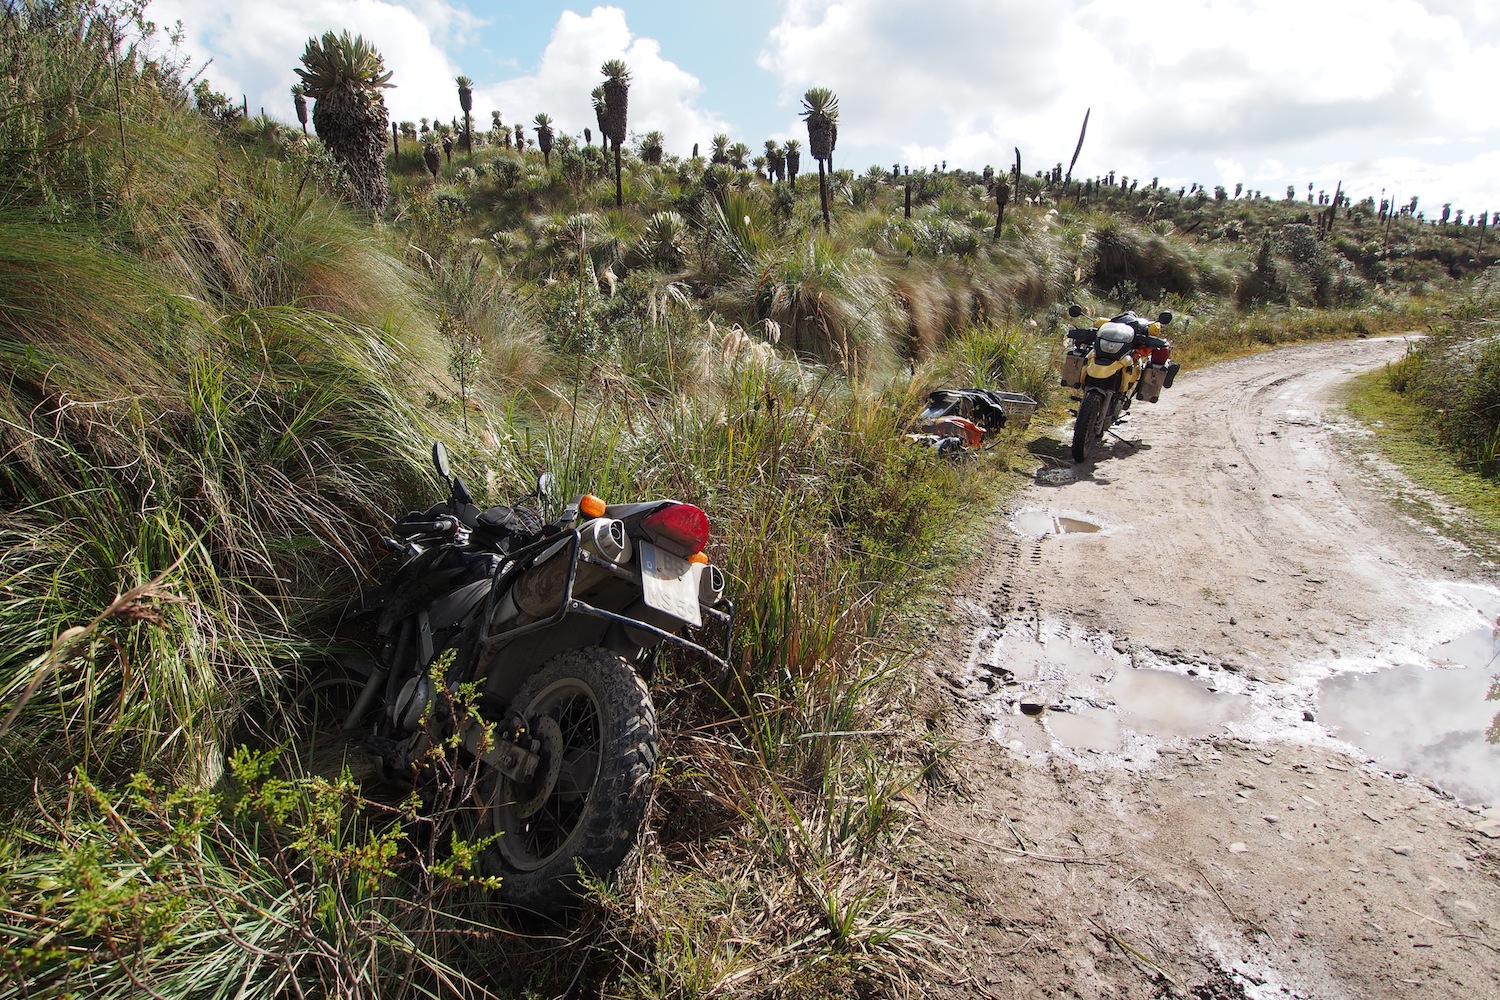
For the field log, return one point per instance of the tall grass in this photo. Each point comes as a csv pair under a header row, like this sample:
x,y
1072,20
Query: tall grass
x,y
806,556
1209,332
211,389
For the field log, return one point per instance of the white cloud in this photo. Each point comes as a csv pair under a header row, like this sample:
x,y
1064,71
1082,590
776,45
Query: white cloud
x,y
256,48
950,69
662,95
1176,87
1229,173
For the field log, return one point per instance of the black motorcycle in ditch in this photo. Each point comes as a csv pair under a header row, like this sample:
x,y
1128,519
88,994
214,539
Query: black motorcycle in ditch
x,y
553,629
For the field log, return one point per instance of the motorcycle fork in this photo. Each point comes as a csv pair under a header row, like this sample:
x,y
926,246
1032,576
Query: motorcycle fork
x,y
415,630
424,637
373,689
1119,404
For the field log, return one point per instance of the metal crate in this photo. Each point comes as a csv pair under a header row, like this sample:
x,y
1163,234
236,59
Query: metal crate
x,y
1018,407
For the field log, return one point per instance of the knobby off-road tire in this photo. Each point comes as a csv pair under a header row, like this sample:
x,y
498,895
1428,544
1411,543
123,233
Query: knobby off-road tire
x,y
1088,429
587,804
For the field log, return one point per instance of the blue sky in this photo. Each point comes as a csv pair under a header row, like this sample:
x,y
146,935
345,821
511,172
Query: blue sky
x,y
1397,95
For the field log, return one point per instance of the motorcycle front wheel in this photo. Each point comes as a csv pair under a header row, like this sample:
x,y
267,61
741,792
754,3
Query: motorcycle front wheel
x,y
1088,429
587,802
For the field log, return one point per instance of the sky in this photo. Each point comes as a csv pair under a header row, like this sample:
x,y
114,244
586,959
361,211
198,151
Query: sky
x,y
1393,96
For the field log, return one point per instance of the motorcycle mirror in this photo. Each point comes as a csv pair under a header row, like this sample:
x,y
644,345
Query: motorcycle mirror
x,y
440,460
1075,311
461,492
1164,318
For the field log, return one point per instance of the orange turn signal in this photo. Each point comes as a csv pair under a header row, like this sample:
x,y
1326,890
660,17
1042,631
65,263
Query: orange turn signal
x,y
701,558
591,506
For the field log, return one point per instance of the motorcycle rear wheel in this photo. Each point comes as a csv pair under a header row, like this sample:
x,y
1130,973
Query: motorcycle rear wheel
x,y
587,803
1088,429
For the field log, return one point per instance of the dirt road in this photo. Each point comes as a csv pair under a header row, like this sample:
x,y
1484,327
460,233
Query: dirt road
x,y
1143,800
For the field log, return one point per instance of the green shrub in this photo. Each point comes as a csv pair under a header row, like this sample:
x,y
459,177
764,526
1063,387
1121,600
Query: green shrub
x,y
295,885
1455,375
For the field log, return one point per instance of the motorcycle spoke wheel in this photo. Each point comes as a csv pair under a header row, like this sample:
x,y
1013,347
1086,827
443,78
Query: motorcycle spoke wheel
x,y
544,813
317,716
595,725
1088,429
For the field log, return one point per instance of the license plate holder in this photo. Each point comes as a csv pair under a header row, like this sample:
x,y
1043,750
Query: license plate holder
x,y
669,584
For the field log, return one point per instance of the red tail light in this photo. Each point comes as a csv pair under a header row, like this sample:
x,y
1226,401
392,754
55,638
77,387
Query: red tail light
x,y
680,528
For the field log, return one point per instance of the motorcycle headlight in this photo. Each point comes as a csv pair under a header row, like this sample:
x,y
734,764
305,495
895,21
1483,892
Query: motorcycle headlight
x,y
1114,338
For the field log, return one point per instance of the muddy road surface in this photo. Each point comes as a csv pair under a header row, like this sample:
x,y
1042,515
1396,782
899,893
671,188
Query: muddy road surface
x,y
1219,714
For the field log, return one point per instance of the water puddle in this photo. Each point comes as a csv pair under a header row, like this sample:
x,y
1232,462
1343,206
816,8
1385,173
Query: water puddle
x,y
1086,729
1039,522
1052,686
1429,719
1167,704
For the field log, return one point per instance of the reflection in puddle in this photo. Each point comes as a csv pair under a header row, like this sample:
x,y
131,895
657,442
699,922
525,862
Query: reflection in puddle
x,y
1047,687
1036,523
1146,702
1166,704
1088,729
1095,699
1427,720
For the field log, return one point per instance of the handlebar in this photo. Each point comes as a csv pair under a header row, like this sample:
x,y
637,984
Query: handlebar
x,y
436,527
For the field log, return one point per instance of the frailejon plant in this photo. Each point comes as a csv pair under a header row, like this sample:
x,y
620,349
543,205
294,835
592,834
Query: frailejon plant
x,y
466,104
344,76
544,137
820,109
616,113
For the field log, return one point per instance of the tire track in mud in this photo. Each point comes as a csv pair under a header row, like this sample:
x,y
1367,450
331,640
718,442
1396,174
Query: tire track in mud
x,y
1241,422
1239,531
1019,557
1239,514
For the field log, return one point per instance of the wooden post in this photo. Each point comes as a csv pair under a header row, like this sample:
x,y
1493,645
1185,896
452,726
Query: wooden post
x,y
1338,192
1074,162
908,199
1390,216
1076,150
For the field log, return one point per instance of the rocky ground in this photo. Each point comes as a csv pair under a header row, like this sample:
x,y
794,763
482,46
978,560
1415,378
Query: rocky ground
x,y
1144,797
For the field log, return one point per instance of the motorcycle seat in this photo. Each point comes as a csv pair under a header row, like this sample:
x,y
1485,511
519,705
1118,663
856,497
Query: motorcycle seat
x,y
506,526
503,522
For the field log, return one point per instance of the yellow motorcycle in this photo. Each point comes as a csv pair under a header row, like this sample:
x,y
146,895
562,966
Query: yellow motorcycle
x,y
1114,362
